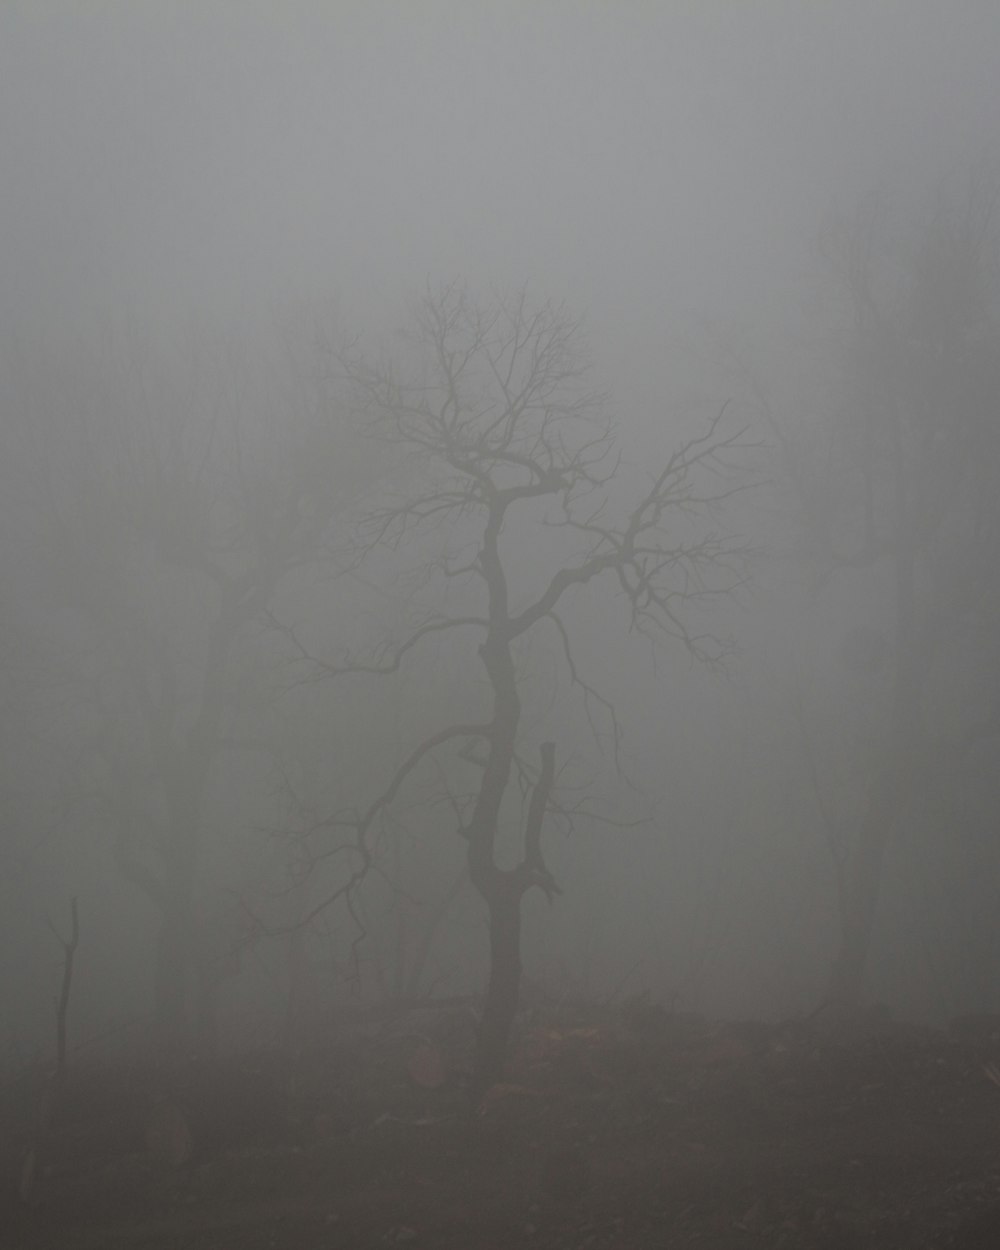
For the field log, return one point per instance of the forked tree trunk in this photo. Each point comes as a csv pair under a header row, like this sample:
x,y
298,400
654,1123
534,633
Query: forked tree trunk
x,y
503,892
500,1008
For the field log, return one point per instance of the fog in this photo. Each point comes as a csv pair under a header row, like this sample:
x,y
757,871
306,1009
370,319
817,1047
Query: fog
x,y
263,268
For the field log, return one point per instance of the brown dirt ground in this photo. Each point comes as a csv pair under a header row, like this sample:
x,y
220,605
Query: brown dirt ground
x,y
617,1130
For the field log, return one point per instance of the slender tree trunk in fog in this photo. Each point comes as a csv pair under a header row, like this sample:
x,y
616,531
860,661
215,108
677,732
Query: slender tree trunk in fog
x,y
427,931
170,988
504,987
52,1099
503,891
885,800
208,984
863,886
907,484
174,953
186,767
186,756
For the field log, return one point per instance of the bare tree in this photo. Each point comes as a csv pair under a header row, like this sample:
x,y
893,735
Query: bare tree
x,y
511,450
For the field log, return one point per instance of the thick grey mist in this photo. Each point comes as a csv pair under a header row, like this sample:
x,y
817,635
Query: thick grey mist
x,y
227,230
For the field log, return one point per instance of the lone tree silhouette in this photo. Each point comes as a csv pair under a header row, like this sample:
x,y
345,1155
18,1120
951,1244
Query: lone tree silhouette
x,y
497,420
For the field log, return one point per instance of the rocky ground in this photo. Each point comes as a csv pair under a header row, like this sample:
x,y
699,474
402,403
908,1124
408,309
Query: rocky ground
x,y
616,1130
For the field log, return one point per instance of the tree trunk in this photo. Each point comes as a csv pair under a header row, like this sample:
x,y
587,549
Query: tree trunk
x,y
209,978
178,938
504,986
885,799
171,983
428,931
863,888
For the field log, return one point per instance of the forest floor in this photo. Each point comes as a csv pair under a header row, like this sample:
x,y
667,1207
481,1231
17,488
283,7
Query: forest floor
x,y
616,1130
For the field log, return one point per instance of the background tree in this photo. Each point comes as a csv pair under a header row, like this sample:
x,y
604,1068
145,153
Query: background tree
x,y
175,500
510,502
895,486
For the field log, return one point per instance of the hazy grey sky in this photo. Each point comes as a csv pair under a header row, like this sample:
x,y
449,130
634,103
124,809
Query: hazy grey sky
x,y
649,162
658,165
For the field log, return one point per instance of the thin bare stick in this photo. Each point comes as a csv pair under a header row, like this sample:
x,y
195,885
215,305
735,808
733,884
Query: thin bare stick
x,y
32,1165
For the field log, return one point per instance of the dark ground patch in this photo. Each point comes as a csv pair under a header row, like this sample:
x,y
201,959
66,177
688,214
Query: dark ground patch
x,y
617,1131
